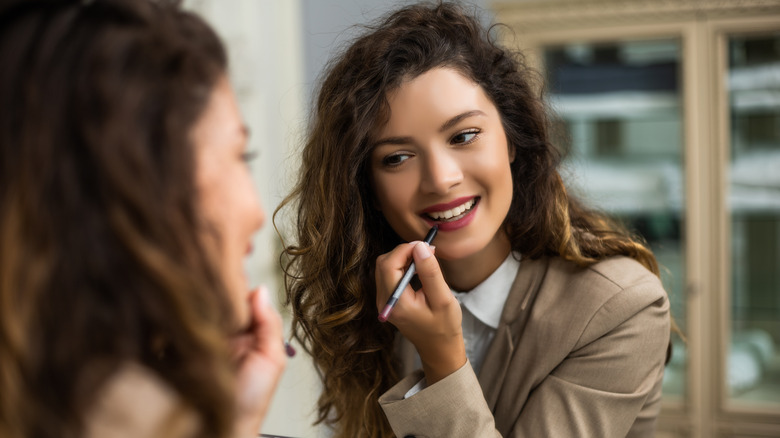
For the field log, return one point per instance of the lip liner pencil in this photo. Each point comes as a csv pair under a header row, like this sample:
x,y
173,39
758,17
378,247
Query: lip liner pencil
x,y
405,280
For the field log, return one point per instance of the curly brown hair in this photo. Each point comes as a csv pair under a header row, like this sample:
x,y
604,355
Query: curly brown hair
x,y
101,260
340,233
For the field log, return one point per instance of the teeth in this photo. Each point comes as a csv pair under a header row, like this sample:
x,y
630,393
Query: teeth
x,y
456,211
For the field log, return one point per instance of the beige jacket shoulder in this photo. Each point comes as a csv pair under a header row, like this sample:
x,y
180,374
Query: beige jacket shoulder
x,y
579,352
136,403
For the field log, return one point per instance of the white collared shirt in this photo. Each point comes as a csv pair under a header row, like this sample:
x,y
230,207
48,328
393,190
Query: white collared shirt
x,y
481,308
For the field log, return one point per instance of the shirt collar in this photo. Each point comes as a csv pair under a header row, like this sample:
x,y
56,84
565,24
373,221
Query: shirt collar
x,y
486,301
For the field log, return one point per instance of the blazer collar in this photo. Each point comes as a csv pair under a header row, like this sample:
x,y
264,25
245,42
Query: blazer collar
x,y
486,301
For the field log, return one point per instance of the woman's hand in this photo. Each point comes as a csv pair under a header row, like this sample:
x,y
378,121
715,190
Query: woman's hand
x,y
261,358
430,317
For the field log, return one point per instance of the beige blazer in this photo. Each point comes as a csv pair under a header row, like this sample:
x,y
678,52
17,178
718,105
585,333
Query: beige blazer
x,y
579,352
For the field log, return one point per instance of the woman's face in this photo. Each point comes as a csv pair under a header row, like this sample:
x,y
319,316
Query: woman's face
x,y
442,158
227,197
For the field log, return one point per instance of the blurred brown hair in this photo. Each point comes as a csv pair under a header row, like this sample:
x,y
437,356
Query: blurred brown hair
x,y
100,260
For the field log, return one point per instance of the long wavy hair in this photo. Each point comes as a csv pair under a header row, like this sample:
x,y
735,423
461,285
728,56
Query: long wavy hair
x,y
101,259
340,233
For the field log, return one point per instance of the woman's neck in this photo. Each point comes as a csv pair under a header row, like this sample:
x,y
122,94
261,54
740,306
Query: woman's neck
x,y
467,273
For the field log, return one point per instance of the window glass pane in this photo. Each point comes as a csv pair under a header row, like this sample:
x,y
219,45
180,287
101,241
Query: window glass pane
x,y
620,129
753,361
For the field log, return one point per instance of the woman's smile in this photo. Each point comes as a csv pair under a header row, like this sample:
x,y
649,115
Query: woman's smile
x,y
453,215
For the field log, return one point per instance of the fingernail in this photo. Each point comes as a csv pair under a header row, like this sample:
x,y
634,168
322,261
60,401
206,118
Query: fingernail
x,y
264,298
422,251
289,349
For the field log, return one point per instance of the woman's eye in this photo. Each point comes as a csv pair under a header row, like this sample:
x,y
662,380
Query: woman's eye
x,y
395,159
465,137
248,156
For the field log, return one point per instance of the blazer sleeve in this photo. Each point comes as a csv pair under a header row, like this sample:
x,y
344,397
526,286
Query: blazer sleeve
x,y
450,408
599,389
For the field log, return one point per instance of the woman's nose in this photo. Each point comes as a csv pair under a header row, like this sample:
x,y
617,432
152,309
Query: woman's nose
x,y
442,172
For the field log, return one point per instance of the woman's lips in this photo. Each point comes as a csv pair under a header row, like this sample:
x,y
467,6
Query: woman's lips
x,y
452,213
448,205
457,221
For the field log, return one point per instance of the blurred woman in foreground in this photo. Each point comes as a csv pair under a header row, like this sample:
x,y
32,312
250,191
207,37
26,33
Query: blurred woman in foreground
x,y
126,210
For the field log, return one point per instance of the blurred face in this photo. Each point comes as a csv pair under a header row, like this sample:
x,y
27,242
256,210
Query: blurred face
x,y
228,199
442,158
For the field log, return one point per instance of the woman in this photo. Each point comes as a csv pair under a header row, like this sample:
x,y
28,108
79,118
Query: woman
x,y
127,210
534,315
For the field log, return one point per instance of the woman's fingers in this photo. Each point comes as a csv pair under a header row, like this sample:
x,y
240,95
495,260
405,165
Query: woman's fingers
x,y
268,327
261,360
390,267
435,288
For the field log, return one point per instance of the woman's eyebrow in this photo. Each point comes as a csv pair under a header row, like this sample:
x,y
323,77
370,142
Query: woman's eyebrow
x,y
454,121
445,126
392,140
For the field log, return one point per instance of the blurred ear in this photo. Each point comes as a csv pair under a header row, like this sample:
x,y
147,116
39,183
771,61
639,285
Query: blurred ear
x,y
512,153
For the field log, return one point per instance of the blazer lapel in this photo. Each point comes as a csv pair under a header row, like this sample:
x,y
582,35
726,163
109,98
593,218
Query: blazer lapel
x,y
496,363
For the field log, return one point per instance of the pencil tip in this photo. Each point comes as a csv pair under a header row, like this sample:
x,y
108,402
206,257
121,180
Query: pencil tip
x,y
385,313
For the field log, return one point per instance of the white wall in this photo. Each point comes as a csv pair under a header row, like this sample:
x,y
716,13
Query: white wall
x,y
330,24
